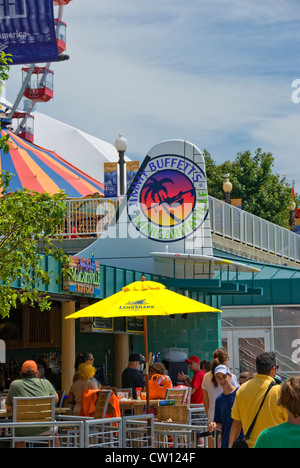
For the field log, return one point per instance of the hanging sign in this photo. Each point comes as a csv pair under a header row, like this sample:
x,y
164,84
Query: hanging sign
x,y
27,31
132,168
168,200
111,180
103,324
135,325
128,325
85,277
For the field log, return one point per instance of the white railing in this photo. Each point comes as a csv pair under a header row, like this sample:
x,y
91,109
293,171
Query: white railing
x,y
238,225
88,217
91,217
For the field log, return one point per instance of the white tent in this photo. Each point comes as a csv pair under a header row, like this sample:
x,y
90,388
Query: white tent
x,y
85,151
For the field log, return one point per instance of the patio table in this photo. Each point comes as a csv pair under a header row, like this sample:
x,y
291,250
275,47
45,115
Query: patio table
x,y
138,405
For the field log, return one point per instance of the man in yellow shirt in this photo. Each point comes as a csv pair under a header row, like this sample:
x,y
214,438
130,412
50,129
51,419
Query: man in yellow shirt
x,y
248,400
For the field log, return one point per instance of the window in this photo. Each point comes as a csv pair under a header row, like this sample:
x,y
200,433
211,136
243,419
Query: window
x,y
287,316
246,317
287,348
29,327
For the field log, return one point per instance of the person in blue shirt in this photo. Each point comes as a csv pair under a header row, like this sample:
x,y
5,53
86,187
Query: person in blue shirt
x,y
223,406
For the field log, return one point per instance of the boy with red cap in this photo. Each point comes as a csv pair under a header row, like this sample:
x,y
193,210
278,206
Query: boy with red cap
x,y
196,382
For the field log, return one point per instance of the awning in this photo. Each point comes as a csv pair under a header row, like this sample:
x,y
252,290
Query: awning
x,y
213,262
41,170
221,286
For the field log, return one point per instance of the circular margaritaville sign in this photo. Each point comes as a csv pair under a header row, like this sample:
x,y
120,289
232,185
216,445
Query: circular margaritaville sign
x,y
168,200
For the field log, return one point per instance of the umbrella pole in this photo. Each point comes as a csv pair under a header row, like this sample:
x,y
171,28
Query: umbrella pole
x,y
146,362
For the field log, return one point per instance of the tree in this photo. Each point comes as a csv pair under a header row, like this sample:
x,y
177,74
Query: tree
x,y
27,227
263,193
5,60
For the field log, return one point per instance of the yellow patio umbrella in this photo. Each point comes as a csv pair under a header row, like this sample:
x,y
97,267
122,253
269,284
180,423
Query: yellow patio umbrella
x,y
143,298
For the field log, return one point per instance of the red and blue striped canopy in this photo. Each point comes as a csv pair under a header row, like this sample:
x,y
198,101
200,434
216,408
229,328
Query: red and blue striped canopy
x,y
41,170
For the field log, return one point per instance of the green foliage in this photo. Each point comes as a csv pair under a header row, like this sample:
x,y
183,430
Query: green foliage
x,y
27,228
5,60
263,193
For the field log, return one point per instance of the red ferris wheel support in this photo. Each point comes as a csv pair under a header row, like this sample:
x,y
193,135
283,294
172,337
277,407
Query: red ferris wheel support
x,y
37,85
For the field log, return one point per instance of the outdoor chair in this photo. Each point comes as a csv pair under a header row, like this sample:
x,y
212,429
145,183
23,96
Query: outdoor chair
x,y
61,396
179,395
34,410
102,404
69,436
197,415
97,432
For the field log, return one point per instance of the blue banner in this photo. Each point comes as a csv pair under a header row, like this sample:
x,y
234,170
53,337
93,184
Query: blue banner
x,y
27,31
111,180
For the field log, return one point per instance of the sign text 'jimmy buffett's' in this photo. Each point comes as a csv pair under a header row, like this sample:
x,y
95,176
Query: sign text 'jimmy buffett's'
x,y
168,201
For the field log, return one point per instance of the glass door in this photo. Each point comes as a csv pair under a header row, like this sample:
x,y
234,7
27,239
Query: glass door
x,y
243,346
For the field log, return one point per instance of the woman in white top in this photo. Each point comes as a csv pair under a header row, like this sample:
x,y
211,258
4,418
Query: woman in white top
x,y
211,390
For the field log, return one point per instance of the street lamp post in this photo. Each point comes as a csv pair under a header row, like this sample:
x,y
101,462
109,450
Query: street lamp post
x,y
227,187
121,146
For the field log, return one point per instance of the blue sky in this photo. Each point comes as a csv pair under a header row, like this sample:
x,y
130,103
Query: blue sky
x,y
218,73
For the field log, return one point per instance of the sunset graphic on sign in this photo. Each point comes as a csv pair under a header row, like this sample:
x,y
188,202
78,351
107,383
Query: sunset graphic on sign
x,y
168,198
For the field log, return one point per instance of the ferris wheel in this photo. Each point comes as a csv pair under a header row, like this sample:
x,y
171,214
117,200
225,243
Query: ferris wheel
x,y
38,81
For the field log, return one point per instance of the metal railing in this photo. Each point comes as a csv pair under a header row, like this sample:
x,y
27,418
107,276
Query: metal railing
x,y
138,431
91,217
68,433
238,225
183,436
98,433
103,433
132,432
87,217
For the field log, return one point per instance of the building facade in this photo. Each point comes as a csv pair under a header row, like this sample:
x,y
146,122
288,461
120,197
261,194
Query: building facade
x,y
168,230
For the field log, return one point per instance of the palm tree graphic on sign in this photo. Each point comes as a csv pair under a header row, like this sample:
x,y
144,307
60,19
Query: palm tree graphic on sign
x,y
162,199
156,187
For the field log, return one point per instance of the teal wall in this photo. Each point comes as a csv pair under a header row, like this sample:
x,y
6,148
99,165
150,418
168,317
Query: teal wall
x,y
199,333
275,292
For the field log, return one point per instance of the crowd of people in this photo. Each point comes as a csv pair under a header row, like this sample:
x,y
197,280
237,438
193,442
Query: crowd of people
x,y
255,412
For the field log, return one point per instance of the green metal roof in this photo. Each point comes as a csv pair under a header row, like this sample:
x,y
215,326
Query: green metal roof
x,y
280,284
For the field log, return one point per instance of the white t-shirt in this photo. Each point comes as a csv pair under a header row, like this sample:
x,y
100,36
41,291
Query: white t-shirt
x,y
213,393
